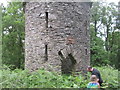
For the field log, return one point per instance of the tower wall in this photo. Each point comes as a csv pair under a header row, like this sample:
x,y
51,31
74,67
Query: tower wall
x,y
57,28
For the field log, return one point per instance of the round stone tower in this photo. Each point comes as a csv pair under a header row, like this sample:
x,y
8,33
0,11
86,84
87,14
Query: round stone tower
x,y
57,36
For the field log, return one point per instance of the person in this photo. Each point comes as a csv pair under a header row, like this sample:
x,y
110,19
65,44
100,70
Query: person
x,y
95,72
94,82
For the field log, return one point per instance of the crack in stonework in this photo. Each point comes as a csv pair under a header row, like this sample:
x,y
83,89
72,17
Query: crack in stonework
x,y
67,63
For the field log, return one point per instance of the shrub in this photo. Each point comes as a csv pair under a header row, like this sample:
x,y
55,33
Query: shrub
x,y
44,79
109,76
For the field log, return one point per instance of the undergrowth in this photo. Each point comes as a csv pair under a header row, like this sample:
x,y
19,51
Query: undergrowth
x,y
44,79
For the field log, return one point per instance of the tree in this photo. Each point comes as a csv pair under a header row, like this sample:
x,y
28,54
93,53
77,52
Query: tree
x,y
105,31
114,52
13,34
96,12
98,53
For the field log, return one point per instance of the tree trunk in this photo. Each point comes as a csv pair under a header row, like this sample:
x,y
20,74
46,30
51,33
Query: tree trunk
x,y
95,27
107,39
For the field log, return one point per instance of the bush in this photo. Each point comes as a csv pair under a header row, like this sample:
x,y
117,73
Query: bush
x,y
44,79
110,76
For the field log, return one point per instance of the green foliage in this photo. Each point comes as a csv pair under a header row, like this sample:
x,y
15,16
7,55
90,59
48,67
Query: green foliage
x,y
98,54
103,18
13,51
109,76
45,79
105,37
115,47
13,34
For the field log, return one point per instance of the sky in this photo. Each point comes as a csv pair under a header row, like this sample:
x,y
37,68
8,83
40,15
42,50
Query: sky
x,y
5,1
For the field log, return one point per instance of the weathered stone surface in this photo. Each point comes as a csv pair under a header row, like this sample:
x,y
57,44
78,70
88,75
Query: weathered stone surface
x,y
46,36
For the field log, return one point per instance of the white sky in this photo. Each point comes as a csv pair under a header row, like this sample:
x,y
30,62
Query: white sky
x,y
5,1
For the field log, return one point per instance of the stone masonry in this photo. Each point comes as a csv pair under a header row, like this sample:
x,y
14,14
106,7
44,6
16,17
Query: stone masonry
x,y
57,36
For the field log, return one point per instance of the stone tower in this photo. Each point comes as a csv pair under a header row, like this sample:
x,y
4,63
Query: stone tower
x,y
57,36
